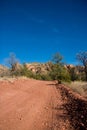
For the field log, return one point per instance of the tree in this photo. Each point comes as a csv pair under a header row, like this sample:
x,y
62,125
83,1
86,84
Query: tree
x,y
12,61
82,58
74,76
58,71
57,58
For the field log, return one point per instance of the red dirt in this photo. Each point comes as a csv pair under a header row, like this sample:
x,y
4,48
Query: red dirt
x,y
31,105
75,106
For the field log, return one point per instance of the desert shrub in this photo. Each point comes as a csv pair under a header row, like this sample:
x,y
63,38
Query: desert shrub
x,y
15,73
73,74
37,76
59,73
82,58
46,77
26,72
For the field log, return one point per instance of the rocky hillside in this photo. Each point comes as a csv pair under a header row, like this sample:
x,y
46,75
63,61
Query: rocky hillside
x,y
3,70
39,67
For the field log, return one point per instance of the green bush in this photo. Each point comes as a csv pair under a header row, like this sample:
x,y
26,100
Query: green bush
x,y
73,74
25,72
46,77
59,73
37,76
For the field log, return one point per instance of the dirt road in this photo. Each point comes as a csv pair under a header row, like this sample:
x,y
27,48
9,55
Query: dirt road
x,y
31,105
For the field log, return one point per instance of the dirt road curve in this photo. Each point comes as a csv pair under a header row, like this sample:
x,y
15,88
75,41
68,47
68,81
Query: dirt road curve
x,y
31,105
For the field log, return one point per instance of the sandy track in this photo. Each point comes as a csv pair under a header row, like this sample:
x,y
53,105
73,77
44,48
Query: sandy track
x,y
31,105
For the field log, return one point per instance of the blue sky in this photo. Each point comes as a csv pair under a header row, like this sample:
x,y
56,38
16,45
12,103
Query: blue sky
x,y
36,29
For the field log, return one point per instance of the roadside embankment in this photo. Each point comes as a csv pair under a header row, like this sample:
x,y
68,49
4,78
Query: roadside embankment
x,y
76,107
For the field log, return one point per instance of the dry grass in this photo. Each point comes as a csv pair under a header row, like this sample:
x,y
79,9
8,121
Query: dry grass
x,y
12,79
79,87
